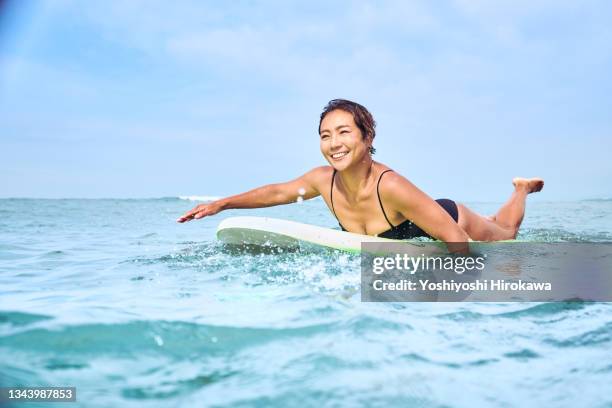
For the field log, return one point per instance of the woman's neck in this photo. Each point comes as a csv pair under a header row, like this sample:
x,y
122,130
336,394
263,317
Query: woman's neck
x,y
357,177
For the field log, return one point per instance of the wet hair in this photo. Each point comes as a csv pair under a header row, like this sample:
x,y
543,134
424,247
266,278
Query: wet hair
x,y
362,117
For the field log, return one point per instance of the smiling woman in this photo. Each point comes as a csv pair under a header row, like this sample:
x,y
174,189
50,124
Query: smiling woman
x,y
372,199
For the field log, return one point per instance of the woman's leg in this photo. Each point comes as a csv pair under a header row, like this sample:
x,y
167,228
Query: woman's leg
x,y
505,224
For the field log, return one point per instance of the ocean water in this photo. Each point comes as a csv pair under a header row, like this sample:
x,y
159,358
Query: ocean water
x,y
115,298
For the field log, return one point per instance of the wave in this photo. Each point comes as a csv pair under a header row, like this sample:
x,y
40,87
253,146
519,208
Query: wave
x,y
176,338
199,198
170,198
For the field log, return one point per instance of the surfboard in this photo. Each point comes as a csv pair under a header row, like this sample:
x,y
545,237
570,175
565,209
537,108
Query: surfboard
x,y
291,235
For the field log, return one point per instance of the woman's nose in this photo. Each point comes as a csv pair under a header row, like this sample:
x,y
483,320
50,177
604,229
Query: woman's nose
x,y
335,141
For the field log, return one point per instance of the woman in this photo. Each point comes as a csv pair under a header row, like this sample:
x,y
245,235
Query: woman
x,y
368,197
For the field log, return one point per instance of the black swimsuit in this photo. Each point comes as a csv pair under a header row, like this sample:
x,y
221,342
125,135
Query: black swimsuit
x,y
405,230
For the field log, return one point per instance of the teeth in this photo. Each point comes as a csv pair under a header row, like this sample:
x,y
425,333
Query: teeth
x,y
339,155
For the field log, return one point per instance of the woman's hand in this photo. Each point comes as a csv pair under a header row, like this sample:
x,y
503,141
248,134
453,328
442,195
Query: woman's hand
x,y
201,211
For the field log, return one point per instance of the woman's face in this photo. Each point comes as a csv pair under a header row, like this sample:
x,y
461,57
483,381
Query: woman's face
x,y
342,143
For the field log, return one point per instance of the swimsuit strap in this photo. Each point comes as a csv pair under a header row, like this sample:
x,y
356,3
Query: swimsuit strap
x,y
331,198
379,200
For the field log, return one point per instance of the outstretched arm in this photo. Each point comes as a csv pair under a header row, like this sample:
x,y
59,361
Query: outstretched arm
x,y
270,195
422,210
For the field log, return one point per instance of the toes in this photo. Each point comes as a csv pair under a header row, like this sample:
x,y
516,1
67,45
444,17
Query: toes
x,y
537,185
533,185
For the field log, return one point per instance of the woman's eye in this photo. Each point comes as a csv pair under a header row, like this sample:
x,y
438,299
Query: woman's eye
x,y
323,137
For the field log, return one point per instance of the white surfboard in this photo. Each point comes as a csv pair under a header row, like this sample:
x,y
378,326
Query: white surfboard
x,y
273,232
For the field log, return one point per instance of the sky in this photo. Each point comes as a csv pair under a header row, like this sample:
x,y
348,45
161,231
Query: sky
x,y
135,99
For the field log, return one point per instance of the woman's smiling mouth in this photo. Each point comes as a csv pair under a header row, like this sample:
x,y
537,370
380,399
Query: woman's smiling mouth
x,y
338,156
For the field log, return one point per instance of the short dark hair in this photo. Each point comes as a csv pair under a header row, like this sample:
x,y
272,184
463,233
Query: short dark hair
x,y
362,117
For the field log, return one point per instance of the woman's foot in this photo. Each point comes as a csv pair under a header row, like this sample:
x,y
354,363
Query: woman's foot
x,y
532,185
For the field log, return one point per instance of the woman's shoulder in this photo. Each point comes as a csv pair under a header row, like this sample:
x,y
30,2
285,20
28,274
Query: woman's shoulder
x,y
319,176
387,174
392,183
321,172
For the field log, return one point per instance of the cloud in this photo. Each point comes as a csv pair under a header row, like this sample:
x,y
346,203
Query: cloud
x,y
463,74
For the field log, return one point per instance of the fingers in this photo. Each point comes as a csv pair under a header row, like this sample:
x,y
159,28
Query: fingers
x,y
184,218
188,216
198,212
